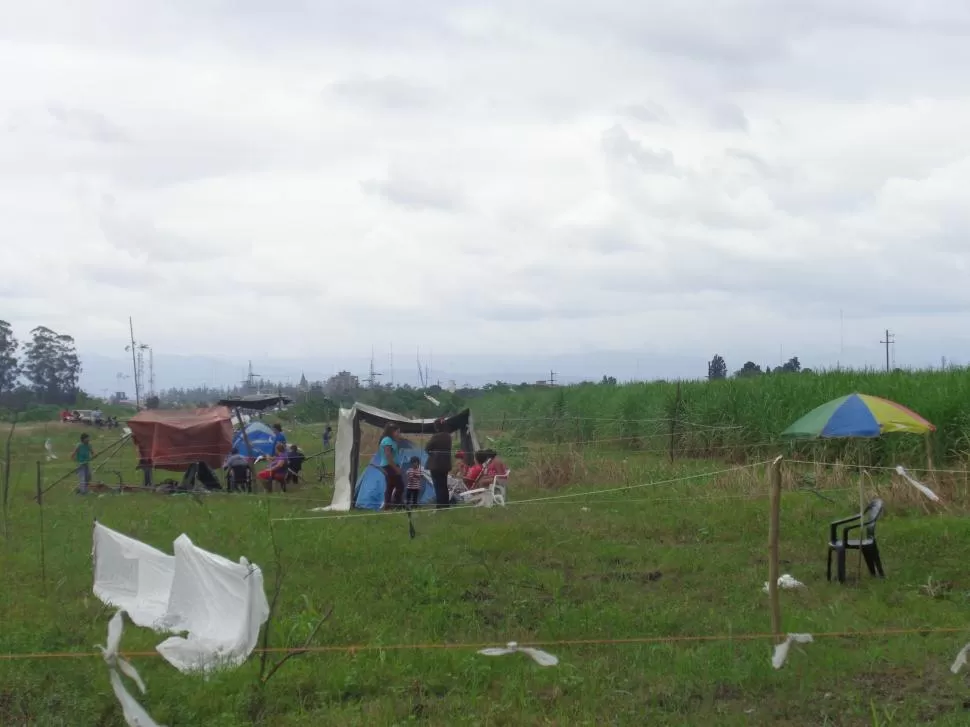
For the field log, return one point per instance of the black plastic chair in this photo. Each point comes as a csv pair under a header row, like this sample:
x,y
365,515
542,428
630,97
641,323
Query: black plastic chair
x,y
867,544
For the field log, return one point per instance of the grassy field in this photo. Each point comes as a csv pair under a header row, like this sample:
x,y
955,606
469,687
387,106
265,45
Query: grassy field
x,y
671,560
740,417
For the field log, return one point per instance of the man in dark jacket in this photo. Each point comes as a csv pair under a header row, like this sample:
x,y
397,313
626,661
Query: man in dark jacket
x,y
439,461
294,464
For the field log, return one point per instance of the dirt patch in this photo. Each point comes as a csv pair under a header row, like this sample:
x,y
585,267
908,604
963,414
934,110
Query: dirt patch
x,y
477,595
625,577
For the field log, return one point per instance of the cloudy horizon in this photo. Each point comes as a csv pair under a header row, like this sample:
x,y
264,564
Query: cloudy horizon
x,y
533,179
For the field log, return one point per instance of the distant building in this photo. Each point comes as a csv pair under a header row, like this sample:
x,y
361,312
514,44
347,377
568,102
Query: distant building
x,y
341,384
304,385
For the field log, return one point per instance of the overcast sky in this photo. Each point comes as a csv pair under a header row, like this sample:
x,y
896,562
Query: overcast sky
x,y
283,177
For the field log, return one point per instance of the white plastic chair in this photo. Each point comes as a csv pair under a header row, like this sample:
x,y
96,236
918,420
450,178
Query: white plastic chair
x,y
493,494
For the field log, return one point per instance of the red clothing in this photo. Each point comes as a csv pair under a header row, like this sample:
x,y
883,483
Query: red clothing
x,y
473,473
277,471
497,468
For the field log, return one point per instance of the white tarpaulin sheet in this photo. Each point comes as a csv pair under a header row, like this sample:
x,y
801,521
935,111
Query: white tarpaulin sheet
x,y
220,604
133,576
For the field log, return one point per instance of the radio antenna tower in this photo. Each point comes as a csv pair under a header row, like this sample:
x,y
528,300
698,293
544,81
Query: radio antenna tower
x,y
372,374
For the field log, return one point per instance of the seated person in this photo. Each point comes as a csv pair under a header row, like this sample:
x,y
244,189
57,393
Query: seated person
x,y
477,470
237,471
495,465
277,470
460,467
295,459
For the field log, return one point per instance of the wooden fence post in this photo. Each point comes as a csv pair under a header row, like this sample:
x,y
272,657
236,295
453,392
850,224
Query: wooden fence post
x,y
40,508
673,423
773,563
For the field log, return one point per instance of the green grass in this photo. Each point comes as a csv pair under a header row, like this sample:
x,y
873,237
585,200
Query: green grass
x,y
582,569
755,411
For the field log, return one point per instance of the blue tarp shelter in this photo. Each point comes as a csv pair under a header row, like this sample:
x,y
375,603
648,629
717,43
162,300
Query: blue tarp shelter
x,y
261,437
369,493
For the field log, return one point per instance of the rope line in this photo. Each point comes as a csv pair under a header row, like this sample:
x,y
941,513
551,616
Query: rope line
x,y
876,467
355,648
659,483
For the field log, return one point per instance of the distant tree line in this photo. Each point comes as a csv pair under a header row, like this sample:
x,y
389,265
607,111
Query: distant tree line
x,y
44,370
717,369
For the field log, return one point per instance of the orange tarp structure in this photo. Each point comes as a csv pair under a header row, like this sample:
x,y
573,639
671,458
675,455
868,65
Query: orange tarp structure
x,y
174,439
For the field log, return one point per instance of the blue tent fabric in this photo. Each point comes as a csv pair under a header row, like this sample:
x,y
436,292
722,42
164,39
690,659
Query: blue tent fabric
x,y
369,493
261,437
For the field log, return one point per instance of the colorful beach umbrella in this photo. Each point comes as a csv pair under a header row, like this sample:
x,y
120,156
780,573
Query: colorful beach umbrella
x,y
858,415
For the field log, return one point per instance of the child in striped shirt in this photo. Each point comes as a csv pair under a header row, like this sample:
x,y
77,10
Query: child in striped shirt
x,y
415,479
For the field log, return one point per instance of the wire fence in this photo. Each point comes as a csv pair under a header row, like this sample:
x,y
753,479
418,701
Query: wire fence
x,y
352,649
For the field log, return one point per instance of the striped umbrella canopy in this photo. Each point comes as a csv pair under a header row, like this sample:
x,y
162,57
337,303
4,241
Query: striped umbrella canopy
x,y
858,415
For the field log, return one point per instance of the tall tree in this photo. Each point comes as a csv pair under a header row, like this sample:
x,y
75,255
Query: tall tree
x,y
9,365
749,369
52,366
717,368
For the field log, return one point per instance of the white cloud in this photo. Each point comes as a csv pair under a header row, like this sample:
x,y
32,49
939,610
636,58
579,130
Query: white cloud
x,y
335,176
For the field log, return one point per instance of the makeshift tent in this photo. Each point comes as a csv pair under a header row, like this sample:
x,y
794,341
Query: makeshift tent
x,y
369,493
261,438
347,448
176,439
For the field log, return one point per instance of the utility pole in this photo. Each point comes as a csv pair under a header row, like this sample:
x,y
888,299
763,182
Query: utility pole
x,y
421,377
890,340
134,364
552,377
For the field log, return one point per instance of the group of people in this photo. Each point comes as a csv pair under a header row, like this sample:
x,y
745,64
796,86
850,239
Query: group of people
x,y
405,487
284,467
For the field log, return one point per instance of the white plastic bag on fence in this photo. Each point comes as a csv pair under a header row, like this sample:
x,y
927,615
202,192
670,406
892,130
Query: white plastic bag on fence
x,y
540,657
134,714
961,660
787,583
221,604
132,576
781,650
918,485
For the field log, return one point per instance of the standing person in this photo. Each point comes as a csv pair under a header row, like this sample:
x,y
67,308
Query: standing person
x,y
294,463
393,490
278,436
415,482
83,454
327,434
439,461
146,467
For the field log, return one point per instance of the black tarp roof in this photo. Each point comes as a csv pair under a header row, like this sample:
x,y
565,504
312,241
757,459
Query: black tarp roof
x,y
256,402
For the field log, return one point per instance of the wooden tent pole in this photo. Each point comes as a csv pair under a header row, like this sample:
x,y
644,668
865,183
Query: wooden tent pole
x,y
249,447
774,521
